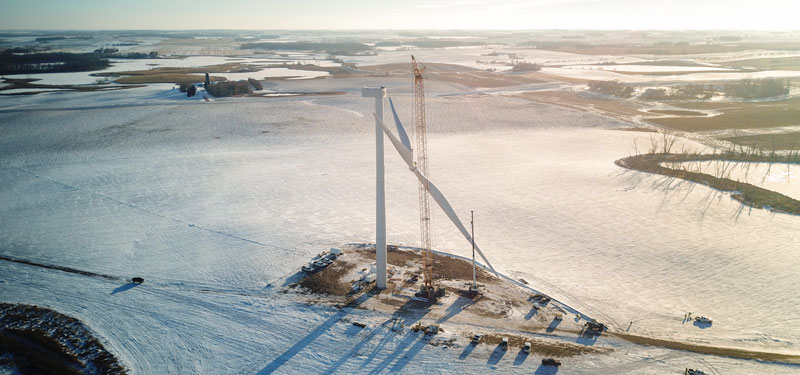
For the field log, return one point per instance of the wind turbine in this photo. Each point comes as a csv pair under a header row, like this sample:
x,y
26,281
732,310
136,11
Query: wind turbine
x,y
380,192
403,148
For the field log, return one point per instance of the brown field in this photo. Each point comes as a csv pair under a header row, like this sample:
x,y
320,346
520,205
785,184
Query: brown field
x,y
405,68
668,73
782,141
637,129
573,100
788,103
782,63
175,78
483,79
673,49
233,67
676,112
751,117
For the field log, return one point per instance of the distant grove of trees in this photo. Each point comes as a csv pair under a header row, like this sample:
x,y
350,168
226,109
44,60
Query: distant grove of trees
x,y
232,88
745,89
56,62
755,89
615,88
526,67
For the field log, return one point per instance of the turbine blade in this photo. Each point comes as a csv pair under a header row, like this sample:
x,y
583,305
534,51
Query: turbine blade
x,y
401,131
404,152
437,195
448,210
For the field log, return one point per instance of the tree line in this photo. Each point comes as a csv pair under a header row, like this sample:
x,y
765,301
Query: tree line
x,y
55,62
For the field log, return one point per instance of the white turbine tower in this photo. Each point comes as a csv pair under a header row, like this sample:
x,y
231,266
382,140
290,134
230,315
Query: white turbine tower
x,y
380,193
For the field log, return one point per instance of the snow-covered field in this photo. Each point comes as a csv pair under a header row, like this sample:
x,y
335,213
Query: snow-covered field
x,y
211,202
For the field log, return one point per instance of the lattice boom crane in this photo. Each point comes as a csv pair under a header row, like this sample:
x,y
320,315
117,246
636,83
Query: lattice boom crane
x,y
421,161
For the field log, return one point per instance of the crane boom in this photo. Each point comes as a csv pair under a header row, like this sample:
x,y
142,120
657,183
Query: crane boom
x,y
421,156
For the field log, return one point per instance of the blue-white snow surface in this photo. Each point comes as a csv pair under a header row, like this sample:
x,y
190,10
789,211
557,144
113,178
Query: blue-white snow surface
x,y
210,202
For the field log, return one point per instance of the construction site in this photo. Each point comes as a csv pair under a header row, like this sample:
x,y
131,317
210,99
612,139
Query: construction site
x,y
435,292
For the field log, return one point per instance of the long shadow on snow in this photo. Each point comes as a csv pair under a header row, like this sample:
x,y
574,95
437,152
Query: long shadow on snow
x,y
497,355
531,313
332,369
408,314
521,357
587,338
411,353
397,351
467,349
546,370
553,325
459,305
123,288
313,335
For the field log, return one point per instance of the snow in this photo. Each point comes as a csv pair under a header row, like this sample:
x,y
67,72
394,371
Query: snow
x,y
212,202
645,68
780,177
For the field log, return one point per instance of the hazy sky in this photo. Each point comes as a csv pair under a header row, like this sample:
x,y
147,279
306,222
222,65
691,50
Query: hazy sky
x,y
405,14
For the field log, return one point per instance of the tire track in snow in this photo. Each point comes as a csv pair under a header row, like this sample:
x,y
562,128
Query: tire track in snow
x,y
151,212
58,268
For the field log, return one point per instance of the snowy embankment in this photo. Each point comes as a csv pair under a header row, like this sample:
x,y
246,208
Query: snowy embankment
x,y
211,202
39,339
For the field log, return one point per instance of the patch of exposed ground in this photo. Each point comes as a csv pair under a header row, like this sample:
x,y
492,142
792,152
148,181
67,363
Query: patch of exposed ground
x,y
541,347
713,350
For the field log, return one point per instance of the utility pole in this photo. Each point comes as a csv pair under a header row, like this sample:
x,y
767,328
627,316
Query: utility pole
x,y
474,286
380,192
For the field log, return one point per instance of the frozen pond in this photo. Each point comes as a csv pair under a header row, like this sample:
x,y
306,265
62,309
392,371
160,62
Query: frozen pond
x,y
779,177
